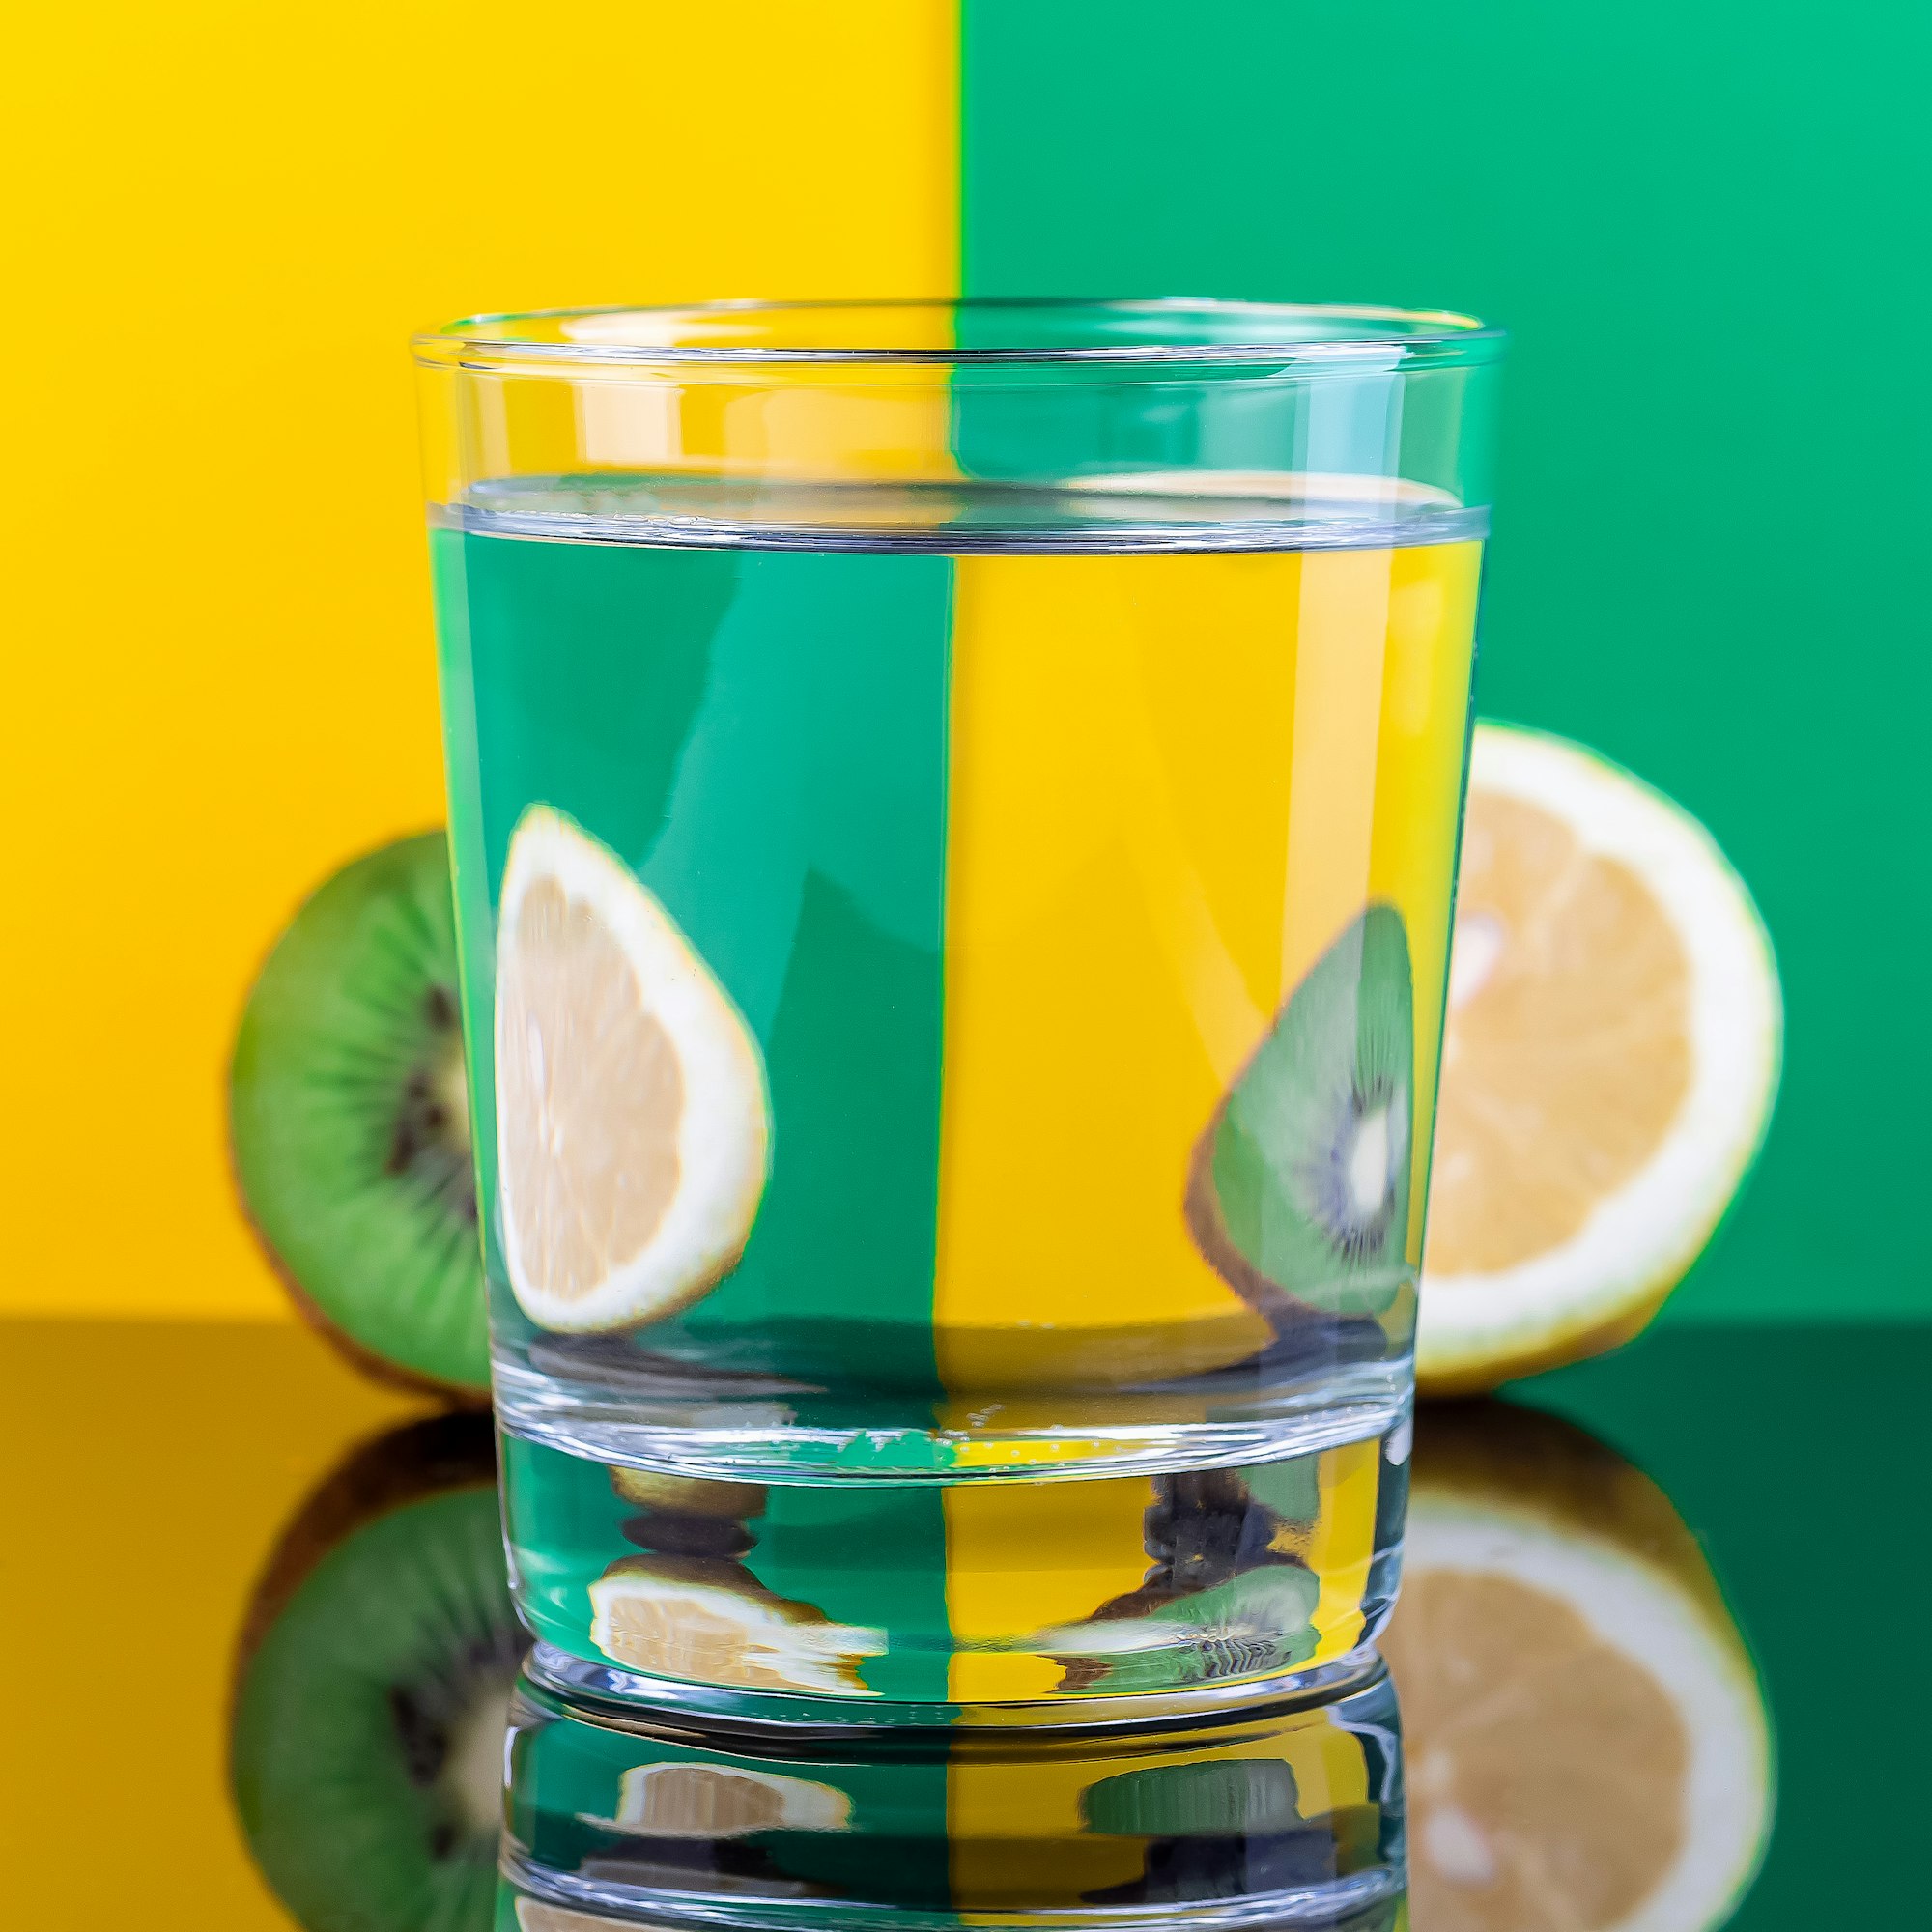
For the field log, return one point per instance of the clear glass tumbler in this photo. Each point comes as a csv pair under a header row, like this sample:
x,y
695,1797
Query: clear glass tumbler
x,y
954,812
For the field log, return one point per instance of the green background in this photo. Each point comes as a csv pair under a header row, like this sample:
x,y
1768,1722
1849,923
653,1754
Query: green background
x,y
1700,225
1789,1451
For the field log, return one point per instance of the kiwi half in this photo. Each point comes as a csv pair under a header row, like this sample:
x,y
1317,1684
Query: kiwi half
x,y
371,1690
1298,1189
349,1122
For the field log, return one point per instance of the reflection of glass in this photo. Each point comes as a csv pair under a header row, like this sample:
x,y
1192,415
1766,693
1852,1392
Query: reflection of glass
x,y
1288,1818
1586,1745
906,1601
1587,1742
372,1689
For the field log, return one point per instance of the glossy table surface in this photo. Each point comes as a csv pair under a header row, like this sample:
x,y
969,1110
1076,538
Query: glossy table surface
x,y
154,1469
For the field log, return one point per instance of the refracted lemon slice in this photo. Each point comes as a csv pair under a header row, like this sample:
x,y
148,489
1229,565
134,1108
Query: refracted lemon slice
x,y
632,1124
1584,1737
1608,1070
711,1622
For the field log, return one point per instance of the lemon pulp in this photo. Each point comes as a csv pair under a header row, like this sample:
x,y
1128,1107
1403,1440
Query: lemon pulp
x,y
632,1128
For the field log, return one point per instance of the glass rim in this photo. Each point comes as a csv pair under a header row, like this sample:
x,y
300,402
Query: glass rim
x,y
1377,336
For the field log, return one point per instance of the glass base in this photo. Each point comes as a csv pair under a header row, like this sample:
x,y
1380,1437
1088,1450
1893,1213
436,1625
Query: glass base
x,y
889,1602
1288,1814
619,1694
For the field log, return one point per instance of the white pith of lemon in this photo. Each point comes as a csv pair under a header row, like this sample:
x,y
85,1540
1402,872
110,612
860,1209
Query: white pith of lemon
x,y
1608,1770
720,1801
1609,1060
632,1128
671,1626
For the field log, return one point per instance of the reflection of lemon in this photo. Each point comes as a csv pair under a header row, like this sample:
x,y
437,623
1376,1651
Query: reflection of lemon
x,y
721,1801
1611,1052
711,1622
1585,1740
631,1111
536,1914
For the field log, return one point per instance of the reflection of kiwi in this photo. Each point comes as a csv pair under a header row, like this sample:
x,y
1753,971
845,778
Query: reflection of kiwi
x,y
1222,1599
687,1515
1256,1624
1187,1870
1226,1828
371,1690
1206,1525
1299,1193
349,1121
1213,1796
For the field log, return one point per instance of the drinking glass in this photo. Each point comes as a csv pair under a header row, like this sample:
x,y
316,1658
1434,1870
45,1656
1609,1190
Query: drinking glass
x,y
954,811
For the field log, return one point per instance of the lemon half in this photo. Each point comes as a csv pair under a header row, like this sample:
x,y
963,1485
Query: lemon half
x,y
1611,1052
633,1128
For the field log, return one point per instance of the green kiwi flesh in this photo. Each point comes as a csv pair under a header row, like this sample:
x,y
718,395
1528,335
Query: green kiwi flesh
x,y
1230,1601
1300,1188
348,1120
373,1687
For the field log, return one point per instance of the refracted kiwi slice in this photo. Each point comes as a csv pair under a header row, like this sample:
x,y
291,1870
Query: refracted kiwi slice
x,y
349,1121
372,1692
1299,1192
1257,1622
687,1516
1221,1598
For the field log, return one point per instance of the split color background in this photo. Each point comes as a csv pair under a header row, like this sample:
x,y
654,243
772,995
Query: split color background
x,y
223,219
230,220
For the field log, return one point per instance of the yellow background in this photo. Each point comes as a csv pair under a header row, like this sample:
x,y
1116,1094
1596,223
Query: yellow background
x,y
224,222
151,1470
228,219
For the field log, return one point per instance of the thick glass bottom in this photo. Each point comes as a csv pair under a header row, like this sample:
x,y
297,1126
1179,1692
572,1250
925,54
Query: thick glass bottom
x,y
601,1685
993,1598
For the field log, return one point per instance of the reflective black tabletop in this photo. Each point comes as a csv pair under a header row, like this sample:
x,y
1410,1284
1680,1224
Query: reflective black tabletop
x,y
1651,1607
